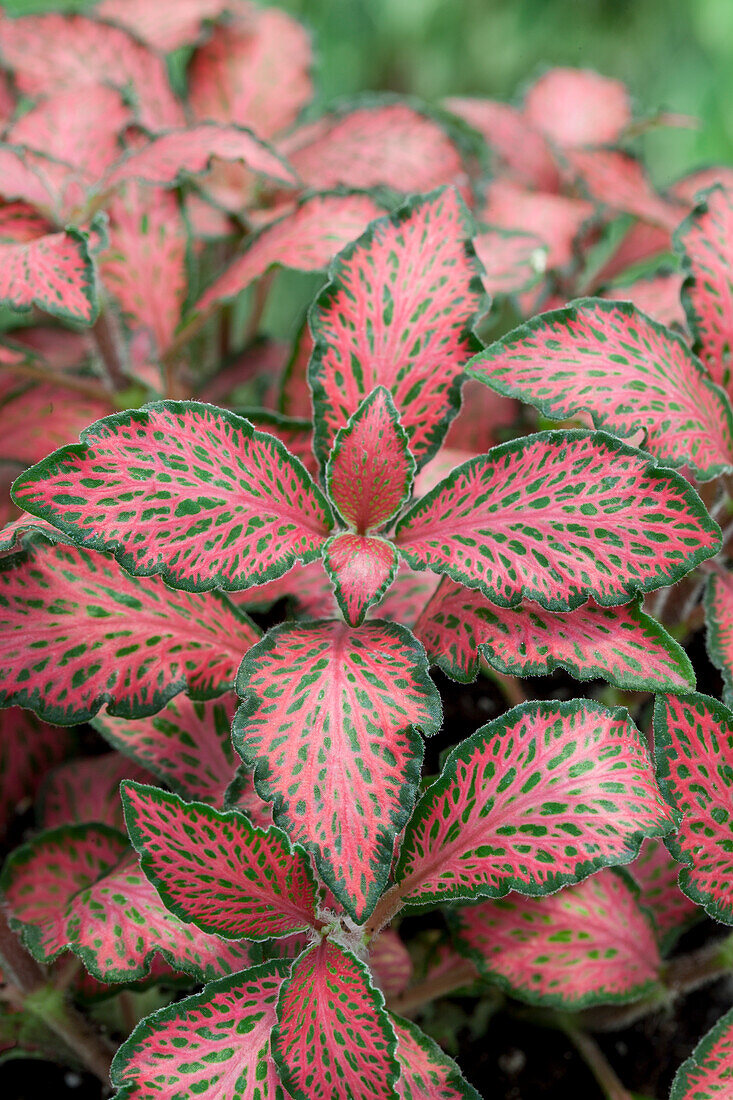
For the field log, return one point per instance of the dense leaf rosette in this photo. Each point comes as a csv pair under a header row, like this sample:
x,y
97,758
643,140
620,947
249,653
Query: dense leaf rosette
x,y
329,721
587,944
217,870
557,517
186,490
536,799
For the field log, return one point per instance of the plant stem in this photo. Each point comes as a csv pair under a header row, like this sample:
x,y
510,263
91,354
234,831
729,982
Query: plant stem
x,y
386,908
432,988
107,340
688,972
46,1003
598,1064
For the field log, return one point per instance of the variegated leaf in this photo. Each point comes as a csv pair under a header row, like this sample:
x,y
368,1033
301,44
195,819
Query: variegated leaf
x,y
406,598
186,490
523,153
704,242
426,1071
576,107
532,801
557,517
390,962
48,185
587,944
76,632
656,873
28,748
719,618
254,71
708,1072
388,144
80,887
658,297
557,220
362,568
628,372
512,261
329,721
306,239
693,738
86,52
218,871
170,158
54,272
333,1040
617,181
86,790
42,417
619,644
398,312
163,27
215,1044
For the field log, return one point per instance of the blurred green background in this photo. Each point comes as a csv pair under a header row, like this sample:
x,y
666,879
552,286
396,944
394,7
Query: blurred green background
x,y
673,54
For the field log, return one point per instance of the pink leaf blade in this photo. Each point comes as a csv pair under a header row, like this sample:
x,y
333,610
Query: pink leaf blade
x,y
28,749
426,1071
177,1049
184,490
719,619
329,723
585,945
709,1069
544,796
362,568
619,644
327,1008
628,372
693,737
164,29
656,873
522,150
576,107
218,871
557,517
513,262
54,272
87,790
374,327
42,417
84,649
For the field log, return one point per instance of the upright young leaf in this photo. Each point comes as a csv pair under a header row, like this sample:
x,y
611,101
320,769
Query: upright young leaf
x,y
426,1071
54,272
171,157
362,568
619,644
306,238
389,144
329,721
398,312
703,242
87,789
77,632
217,870
185,490
86,52
536,799
255,71
215,1044
693,738
587,944
719,619
708,1072
187,744
333,1040
557,517
575,107
628,372
28,748
656,873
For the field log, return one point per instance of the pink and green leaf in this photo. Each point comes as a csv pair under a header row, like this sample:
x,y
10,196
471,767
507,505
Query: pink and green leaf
x,y
557,517
576,107
187,745
719,619
305,239
693,737
185,490
45,416
708,1071
617,181
656,873
587,944
333,1039
390,962
88,790
535,800
704,244
215,1044
512,261
426,1071
399,312
170,158
628,372
619,644
370,468
329,722
558,221
388,144
28,748
78,632
162,27
658,297
55,273
218,871
254,71
362,568
522,151
407,596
